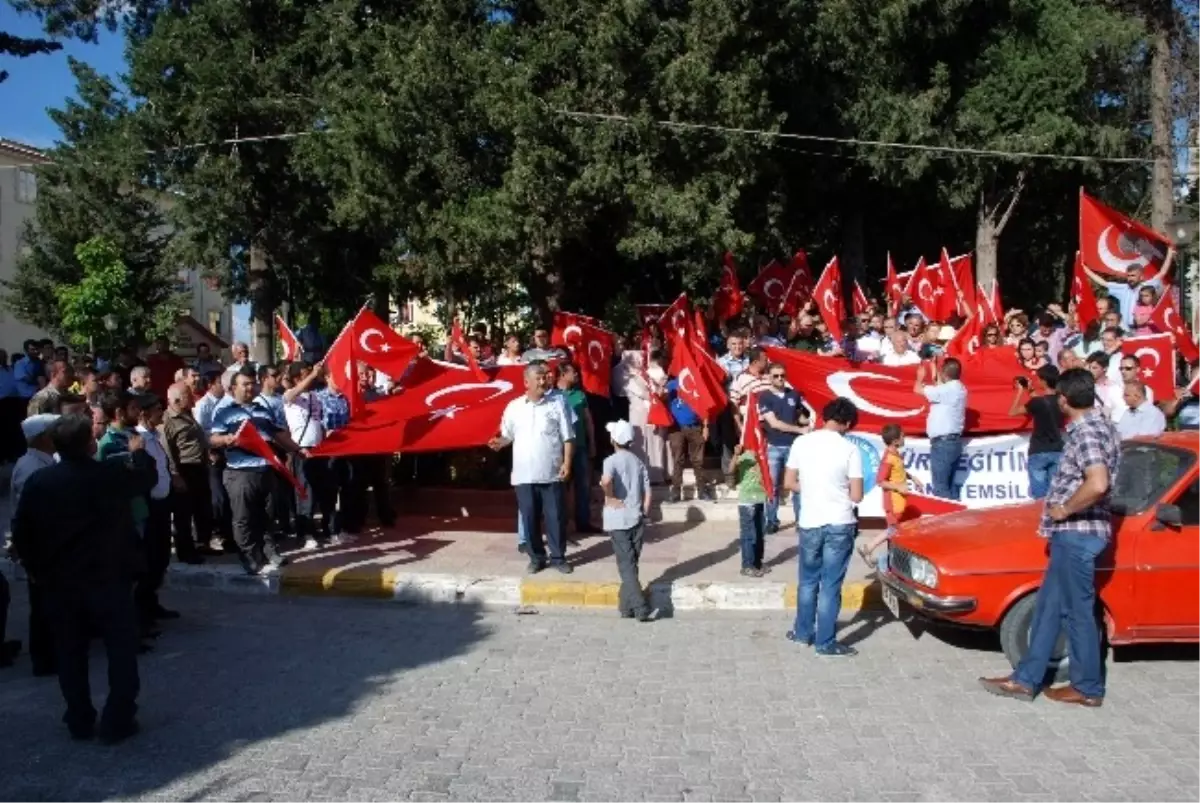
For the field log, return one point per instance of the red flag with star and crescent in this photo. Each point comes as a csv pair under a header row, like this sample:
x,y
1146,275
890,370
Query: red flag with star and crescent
x,y
1156,362
1113,243
922,289
1167,319
861,304
800,286
983,307
1082,295
288,342
366,339
727,301
591,350
828,295
769,287
753,440
697,385
443,407
967,339
894,292
961,278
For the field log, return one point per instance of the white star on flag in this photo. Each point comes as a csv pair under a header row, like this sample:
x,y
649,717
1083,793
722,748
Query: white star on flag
x,y
447,412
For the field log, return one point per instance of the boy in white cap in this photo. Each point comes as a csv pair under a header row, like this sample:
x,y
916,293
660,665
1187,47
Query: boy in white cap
x,y
38,455
626,485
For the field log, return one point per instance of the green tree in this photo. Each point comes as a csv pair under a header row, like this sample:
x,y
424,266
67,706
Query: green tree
x,y
102,292
93,187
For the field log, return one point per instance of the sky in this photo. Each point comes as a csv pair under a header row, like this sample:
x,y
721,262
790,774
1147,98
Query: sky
x,y
40,82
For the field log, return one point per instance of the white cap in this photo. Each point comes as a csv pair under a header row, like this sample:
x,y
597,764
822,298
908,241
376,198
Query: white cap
x,y
36,425
621,432
946,333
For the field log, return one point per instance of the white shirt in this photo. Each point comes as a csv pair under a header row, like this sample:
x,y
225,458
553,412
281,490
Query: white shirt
x,y
305,420
154,448
870,345
893,359
825,462
1110,397
538,431
1145,419
947,409
27,465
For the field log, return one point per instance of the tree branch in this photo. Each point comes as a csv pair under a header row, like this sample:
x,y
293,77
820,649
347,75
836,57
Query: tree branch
x,y
1012,203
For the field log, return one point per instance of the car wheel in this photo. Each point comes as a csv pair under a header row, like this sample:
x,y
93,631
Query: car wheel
x,y
1014,638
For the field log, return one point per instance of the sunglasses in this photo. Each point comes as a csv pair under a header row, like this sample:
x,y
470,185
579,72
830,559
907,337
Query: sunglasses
x,y
778,376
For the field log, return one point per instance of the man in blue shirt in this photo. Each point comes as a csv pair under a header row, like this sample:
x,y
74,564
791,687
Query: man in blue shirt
x,y
29,373
783,417
270,395
690,432
12,412
248,477
944,426
312,342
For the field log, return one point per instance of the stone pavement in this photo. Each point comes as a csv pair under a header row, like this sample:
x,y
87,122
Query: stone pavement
x,y
277,698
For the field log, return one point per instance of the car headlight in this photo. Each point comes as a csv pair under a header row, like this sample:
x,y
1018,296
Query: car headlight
x,y
923,572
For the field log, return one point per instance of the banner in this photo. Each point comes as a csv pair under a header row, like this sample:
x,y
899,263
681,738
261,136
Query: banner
x,y
991,471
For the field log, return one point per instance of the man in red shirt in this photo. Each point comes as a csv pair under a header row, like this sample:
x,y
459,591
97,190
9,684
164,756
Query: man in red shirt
x,y
163,363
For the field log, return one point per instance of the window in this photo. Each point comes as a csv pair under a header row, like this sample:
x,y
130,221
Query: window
x,y
26,187
1145,473
214,322
1188,503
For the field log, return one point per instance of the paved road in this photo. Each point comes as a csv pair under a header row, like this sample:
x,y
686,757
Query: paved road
x,y
276,698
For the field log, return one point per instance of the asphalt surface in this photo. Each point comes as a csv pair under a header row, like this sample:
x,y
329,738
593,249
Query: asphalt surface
x,y
253,698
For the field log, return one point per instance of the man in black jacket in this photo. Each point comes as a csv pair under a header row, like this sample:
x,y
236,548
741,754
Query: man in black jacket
x,y
84,554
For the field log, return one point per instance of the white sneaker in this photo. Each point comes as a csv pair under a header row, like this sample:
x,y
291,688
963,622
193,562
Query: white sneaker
x,y
310,544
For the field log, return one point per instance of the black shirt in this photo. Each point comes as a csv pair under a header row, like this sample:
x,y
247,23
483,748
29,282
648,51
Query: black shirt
x,y
1047,424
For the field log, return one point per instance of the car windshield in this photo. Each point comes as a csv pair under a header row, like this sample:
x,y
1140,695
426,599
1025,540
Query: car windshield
x,y
1146,472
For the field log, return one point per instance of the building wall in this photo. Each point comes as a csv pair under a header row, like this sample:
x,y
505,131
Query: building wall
x,y
16,207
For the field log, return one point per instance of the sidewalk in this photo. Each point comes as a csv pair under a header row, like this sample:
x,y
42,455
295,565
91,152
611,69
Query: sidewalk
x,y
446,559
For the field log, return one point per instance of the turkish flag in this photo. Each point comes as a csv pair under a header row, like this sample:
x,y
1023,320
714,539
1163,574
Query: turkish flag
x,y
967,339
1082,295
828,295
593,352
945,291
918,504
443,407
1112,243
894,291
962,277
994,301
755,442
676,321
727,301
459,342
250,440
1166,318
922,289
800,286
288,342
376,344
770,286
983,307
1156,358
341,366
884,394
861,304
696,384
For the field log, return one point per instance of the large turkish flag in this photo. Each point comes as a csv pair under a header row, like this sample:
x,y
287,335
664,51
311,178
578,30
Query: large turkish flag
x,y
884,395
828,295
1167,319
1113,243
1156,360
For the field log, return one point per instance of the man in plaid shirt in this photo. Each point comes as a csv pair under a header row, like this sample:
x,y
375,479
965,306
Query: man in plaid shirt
x,y
1077,520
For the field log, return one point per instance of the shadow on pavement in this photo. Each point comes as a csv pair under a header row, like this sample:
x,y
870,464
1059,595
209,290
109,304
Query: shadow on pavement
x,y
232,673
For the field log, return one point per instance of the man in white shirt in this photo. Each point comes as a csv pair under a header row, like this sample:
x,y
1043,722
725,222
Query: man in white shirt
x,y
305,415
826,469
900,352
156,539
1110,394
539,430
945,424
1142,418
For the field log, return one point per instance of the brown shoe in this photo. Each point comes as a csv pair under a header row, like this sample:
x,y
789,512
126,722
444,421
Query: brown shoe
x,y
1006,687
1068,694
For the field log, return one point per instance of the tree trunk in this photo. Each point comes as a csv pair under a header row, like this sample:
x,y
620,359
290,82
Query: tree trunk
x,y
262,346
545,288
381,299
993,214
1162,194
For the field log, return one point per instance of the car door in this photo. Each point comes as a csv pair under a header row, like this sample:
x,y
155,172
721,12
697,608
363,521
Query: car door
x,y
1167,582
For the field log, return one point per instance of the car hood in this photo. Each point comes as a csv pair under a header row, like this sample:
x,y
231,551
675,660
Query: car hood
x,y
989,540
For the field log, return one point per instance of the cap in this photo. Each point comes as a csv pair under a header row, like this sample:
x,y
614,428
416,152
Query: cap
x,y
946,333
621,432
37,424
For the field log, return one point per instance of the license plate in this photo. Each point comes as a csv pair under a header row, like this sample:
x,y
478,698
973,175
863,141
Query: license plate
x,y
892,602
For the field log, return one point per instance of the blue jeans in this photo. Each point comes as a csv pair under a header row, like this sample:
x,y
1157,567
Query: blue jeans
x,y
1067,598
750,523
1041,468
541,506
824,556
777,460
944,452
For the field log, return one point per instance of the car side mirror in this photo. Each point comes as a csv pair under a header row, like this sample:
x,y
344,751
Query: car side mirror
x,y
1169,515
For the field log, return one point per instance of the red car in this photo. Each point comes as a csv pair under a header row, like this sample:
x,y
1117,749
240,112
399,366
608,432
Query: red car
x,y
982,568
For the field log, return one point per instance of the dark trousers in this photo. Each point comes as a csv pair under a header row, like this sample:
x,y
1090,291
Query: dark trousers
x,y
222,514
723,433
318,473
5,601
77,611
156,546
12,413
691,440
192,506
41,632
249,496
283,500
541,507
751,531
369,478
627,546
